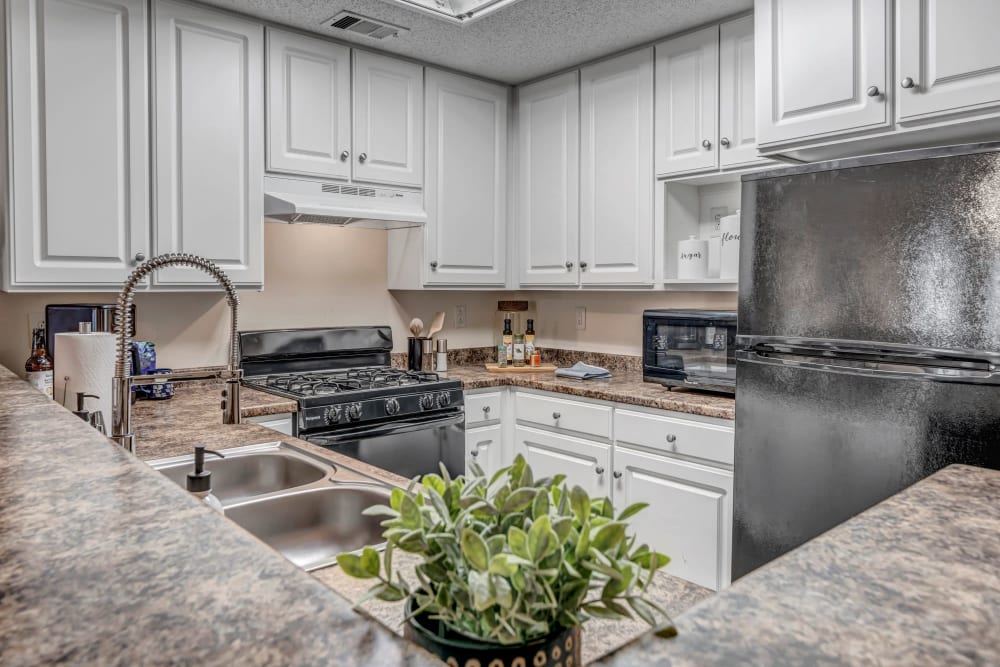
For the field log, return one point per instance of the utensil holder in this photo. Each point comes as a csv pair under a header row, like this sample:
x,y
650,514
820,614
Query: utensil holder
x,y
414,353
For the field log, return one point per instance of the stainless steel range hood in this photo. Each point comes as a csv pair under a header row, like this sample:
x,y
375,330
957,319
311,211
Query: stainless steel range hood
x,y
297,200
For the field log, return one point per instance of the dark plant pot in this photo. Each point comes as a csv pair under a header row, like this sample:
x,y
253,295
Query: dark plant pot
x,y
561,648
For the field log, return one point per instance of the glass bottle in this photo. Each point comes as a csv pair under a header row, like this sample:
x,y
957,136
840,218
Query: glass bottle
x,y
529,343
508,341
38,367
519,349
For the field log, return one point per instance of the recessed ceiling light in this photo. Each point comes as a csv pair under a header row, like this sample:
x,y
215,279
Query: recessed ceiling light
x,y
455,11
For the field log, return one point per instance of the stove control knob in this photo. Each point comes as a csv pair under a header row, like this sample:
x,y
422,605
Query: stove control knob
x,y
427,402
332,414
443,399
391,406
354,411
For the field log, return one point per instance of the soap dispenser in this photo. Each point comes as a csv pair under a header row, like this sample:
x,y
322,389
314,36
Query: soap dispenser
x,y
199,482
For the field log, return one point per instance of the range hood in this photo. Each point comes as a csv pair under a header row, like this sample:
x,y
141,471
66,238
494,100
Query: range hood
x,y
297,200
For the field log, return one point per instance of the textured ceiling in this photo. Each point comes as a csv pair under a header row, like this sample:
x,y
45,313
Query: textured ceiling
x,y
526,40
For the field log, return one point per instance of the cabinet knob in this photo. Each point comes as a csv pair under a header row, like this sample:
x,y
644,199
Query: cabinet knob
x,y
556,415
907,83
140,257
583,266
362,157
724,142
671,437
617,474
475,453
569,266
486,409
706,144
434,265
599,470
873,91
344,155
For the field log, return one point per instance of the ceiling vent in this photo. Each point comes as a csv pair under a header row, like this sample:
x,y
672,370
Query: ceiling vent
x,y
362,25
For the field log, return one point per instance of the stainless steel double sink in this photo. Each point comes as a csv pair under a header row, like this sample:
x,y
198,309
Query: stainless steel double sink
x,y
290,500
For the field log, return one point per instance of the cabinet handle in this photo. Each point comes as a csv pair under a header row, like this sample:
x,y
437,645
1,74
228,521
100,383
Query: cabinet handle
x,y
362,157
617,474
706,144
873,91
140,257
569,266
486,409
344,155
583,266
599,470
556,415
724,142
434,265
671,437
907,83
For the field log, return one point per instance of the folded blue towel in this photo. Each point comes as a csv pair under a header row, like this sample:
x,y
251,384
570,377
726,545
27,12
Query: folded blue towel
x,y
582,371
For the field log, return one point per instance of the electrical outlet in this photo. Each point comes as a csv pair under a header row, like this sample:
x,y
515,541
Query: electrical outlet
x,y
717,213
459,317
581,318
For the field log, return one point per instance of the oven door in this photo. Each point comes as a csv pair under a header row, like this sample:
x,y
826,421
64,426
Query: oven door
x,y
409,447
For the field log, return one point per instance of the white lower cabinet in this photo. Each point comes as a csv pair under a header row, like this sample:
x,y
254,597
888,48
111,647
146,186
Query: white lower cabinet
x,y
680,464
585,463
690,515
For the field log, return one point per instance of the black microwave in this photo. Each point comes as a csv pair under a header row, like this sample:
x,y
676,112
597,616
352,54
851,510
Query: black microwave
x,y
690,348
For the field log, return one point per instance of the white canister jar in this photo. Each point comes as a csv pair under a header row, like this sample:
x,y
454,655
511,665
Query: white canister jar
x,y
714,252
692,259
729,257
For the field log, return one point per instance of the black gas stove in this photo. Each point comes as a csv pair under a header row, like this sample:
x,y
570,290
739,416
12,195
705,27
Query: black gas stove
x,y
350,399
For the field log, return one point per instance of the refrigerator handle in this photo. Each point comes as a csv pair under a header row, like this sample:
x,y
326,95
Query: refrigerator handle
x,y
899,370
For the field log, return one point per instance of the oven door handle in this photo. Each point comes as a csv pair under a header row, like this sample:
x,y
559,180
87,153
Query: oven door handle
x,y
391,428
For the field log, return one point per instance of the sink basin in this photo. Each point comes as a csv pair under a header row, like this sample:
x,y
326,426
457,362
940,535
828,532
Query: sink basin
x,y
310,527
246,474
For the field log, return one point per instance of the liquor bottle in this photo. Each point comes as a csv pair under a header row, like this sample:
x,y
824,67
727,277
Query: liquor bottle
x,y
508,341
529,343
38,367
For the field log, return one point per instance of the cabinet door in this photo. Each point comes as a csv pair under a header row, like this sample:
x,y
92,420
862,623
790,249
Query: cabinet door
x,y
549,173
737,127
484,446
585,463
388,120
951,53
308,106
816,60
466,190
690,516
616,158
687,103
79,141
209,130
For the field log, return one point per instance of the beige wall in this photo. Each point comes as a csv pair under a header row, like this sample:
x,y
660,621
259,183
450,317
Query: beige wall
x,y
320,276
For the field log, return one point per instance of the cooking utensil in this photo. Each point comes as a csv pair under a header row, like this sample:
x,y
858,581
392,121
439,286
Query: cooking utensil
x,y
437,324
416,326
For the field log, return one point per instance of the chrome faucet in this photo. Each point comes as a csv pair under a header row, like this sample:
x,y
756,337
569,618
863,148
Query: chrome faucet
x,y
121,428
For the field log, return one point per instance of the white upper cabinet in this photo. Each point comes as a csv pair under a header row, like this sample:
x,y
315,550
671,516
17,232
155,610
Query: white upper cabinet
x,y
549,180
388,120
616,167
466,189
79,143
948,57
308,106
208,139
821,68
737,109
687,103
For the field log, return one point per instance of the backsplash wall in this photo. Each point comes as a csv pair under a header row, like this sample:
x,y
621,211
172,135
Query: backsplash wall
x,y
320,276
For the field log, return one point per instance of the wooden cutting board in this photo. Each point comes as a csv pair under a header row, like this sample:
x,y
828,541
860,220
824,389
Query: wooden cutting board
x,y
544,368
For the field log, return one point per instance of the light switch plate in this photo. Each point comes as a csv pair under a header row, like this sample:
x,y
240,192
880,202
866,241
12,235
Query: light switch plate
x,y
35,320
581,318
459,317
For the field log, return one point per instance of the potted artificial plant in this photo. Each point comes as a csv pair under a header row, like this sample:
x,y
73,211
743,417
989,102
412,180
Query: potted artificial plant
x,y
511,566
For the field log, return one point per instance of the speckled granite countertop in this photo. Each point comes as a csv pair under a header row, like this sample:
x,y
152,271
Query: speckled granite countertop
x,y
622,387
104,562
913,581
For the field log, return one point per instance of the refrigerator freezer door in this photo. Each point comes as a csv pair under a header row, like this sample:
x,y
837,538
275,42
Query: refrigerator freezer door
x,y
816,447
900,249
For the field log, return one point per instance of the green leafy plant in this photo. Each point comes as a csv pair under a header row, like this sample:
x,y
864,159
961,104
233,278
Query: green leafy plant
x,y
509,559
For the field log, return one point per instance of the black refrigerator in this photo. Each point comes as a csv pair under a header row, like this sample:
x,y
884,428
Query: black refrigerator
x,y
868,338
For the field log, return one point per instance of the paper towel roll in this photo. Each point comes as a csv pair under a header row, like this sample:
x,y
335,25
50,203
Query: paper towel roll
x,y
88,359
